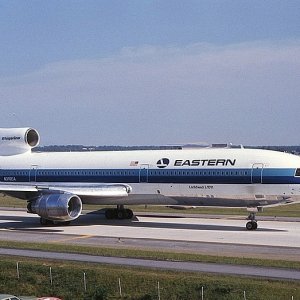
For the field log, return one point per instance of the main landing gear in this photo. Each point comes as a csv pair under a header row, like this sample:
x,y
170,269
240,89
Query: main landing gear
x,y
252,224
120,213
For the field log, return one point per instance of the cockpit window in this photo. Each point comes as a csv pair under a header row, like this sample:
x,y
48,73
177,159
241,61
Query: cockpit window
x,y
297,172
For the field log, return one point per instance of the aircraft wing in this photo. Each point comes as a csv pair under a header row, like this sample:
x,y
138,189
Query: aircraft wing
x,y
17,187
80,189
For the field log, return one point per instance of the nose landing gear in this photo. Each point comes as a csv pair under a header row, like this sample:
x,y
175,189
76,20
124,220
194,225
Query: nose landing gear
x,y
252,224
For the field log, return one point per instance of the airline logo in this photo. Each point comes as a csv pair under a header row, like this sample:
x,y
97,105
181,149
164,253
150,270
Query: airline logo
x,y
204,162
162,163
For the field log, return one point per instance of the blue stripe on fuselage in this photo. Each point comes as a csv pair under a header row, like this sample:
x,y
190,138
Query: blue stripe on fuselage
x,y
217,176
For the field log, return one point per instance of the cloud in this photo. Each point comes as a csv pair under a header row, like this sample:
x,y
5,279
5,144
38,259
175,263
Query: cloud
x,y
243,93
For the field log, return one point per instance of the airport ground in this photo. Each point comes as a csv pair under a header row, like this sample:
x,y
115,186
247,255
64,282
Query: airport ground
x,y
136,283
170,236
223,236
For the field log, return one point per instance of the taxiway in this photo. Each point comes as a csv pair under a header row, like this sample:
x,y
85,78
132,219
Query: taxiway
x,y
224,236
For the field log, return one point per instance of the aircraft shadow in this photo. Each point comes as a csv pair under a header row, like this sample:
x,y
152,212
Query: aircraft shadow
x,y
30,224
100,220
135,222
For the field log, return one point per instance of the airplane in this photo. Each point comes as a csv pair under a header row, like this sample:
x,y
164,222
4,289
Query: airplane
x,y
56,184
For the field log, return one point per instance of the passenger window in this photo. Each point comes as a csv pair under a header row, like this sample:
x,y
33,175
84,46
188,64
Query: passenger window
x,y
297,172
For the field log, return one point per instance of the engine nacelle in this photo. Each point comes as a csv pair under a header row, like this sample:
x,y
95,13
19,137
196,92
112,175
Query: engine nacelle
x,y
57,207
17,140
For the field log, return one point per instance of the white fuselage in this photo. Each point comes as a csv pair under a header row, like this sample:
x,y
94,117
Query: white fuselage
x,y
198,177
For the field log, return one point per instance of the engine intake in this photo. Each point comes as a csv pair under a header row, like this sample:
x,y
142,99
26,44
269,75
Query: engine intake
x,y
18,140
57,207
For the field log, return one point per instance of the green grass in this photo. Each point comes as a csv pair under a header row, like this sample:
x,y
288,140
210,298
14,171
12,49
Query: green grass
x,y
148,254
7,201
292,210
137,283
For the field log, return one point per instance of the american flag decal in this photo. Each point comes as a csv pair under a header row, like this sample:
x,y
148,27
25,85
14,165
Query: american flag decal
x,y
134,163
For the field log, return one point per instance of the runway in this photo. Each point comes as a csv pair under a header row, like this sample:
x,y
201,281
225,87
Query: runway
x,y
224,236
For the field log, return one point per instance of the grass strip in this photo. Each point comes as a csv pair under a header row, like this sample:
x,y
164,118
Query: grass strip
x,y
149,254
102,282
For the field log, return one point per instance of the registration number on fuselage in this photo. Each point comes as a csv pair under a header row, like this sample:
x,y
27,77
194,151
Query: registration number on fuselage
x,y
9,178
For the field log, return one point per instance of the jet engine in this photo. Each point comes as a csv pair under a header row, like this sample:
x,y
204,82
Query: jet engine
x,y
17,140
57,207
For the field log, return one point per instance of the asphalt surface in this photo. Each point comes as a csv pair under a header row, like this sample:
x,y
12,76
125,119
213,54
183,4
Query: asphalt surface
x,y
213,235
274,273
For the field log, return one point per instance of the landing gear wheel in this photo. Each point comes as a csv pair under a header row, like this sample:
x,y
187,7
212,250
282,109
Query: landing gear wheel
x,y
120,214
110,214
129,214
251,225
254,225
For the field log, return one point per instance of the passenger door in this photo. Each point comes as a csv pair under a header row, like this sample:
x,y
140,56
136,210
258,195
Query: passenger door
x,y
144,173
256,173
32,173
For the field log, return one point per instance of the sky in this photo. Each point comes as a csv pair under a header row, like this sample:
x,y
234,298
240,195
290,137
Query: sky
x,y
152,72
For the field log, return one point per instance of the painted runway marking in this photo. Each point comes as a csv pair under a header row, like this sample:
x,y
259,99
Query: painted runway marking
x,y
73,238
